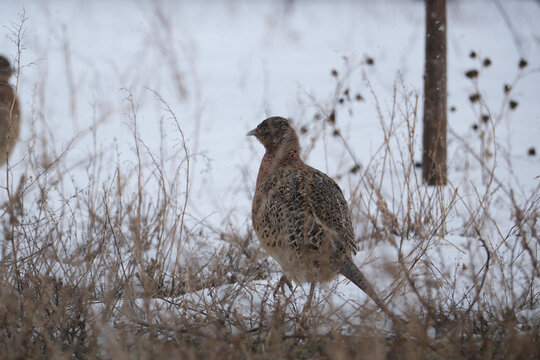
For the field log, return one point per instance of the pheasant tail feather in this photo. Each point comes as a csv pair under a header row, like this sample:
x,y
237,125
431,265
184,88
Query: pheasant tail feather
x,y
347,268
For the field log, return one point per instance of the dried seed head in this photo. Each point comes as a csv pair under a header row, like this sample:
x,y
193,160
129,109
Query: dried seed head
x,y
471,74
332,117
474,97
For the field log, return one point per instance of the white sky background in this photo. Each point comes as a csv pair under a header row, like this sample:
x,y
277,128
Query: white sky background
x,y
241,61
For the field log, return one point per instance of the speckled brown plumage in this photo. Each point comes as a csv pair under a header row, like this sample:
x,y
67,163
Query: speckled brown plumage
x,y
300,214
9,112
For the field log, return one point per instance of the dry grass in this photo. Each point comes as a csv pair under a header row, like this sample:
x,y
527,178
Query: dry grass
x,y
122,269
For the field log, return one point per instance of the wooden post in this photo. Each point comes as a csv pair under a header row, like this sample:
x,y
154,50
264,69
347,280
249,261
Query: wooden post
x,y
434,169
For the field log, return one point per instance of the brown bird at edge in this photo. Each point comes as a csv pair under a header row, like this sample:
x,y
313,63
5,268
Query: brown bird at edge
x,y
10,116
300,214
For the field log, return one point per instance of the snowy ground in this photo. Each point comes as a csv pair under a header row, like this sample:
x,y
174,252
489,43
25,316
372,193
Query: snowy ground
x,y
224,66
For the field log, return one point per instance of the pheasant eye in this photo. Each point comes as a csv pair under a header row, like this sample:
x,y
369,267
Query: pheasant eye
x,y
264,128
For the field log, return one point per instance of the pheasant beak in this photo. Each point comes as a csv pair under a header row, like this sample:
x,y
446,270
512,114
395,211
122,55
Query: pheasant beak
x,y
252,132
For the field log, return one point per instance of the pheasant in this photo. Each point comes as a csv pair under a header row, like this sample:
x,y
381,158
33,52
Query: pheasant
x,y
9,112
300,215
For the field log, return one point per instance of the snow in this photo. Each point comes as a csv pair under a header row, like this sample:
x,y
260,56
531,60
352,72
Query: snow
x,y
224,66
